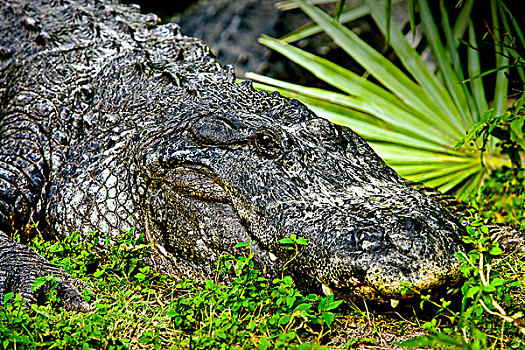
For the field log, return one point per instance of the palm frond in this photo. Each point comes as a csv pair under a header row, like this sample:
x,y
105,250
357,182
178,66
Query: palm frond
x,y
414,117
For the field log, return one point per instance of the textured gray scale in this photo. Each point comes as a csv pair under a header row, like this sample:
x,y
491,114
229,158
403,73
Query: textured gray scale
x,y
110,120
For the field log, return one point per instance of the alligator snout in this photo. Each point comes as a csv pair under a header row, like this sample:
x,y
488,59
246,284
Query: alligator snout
x,y
379,248
391,256
405,236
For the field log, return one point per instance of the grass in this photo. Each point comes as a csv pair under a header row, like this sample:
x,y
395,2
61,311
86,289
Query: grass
x,y
136,307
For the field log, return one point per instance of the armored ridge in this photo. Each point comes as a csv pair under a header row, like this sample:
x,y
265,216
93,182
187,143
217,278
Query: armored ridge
x,y
111,121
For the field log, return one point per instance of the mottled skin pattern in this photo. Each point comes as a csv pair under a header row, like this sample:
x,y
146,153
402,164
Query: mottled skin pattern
x,y
109,121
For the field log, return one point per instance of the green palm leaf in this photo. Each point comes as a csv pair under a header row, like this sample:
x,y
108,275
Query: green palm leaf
x,y
412,120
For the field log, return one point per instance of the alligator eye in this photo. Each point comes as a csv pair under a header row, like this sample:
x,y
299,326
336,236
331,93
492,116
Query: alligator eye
x,y
266,145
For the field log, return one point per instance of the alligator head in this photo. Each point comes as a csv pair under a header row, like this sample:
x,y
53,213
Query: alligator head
x,y
227,174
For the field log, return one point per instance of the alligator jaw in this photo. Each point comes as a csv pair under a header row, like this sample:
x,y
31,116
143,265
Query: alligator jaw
x,y
396,291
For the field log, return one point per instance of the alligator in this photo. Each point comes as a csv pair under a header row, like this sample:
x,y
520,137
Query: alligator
x,y
111,120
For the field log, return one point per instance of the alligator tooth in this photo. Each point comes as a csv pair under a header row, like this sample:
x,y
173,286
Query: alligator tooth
x,y
394,303
327,291
162,250
452,291
273,257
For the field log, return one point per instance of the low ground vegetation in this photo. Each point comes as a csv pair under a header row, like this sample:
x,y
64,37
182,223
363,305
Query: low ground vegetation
x,y
136,307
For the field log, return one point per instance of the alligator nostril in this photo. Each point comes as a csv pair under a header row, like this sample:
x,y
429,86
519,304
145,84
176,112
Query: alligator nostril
x,y
405,235
350,241
409,226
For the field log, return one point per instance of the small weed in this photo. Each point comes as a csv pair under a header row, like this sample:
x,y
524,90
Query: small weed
x,y
292,243
502,197
252,312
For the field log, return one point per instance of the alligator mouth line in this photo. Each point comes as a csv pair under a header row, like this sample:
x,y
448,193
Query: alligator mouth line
x,y
364,292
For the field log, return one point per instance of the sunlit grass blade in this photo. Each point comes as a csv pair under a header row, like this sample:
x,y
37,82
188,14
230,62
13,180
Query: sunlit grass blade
x,y
406,154
412,16
515,24
445,183
462,21
515,29
424,169
458,69
489,72
437,173
471,186
500,100
290,4
445,177
476,84
451,42
388,16
339,10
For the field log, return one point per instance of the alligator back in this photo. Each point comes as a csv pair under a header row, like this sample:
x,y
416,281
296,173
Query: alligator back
x,y
72,83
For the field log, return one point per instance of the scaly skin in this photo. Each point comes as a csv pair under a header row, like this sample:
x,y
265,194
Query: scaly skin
x,y
109,121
